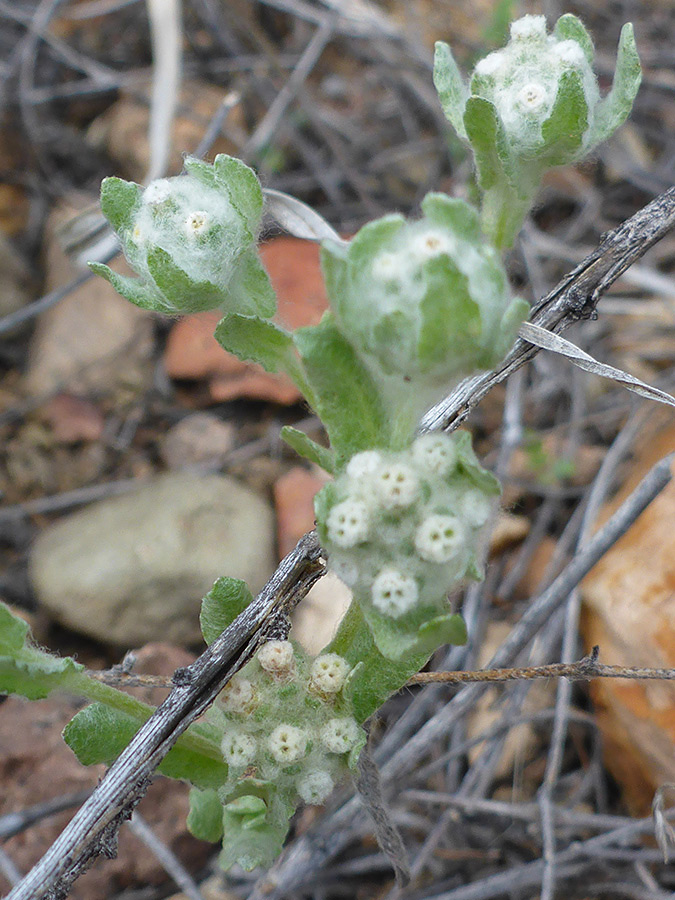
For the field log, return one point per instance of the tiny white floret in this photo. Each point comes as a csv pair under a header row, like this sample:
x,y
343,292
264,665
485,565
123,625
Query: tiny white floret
x,y
276,657
315,787
435,452
348,523
238,696
430,244
157,191
528,28
329,673
491,64
287,744
238,749
394,593
531,97
475,508
439,538
197,222
570,54
363,464
339,735
396,485
387,267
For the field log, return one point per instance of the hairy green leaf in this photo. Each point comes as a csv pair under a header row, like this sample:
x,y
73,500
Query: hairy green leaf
x,y
345,396
227,598
304,446
119,201
452,91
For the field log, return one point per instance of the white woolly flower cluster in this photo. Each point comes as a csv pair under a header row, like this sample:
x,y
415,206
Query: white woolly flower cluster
x,y
523,79
195,223
285,720
401,528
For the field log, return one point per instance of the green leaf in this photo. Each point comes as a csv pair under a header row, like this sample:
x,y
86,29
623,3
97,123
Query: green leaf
x,y
370,239
418,633
254,830
200,170
132,289
250,291
243,187
335,269
452,92
345,396
488,142
254,339
468,464
98,734
569,28
453,213
183,293
227,598
451,321
563,131
119,201
515,314
374,678
614,109
304,446
205,819
24,668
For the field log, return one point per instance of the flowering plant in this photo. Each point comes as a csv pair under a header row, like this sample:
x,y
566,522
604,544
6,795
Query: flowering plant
x,y
416,306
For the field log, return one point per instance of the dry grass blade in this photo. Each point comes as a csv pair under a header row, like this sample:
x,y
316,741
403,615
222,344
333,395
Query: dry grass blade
x,y
547,340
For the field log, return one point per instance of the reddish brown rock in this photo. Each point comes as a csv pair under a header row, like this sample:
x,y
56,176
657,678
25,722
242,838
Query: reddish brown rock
x,y
192,353
630,613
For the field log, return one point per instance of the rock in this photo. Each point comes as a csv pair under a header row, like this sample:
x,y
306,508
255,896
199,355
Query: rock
x,y
629,613
198,438
193,353
294,502
73,419
316,619
122,130
90,341
130,569
509,530
36,766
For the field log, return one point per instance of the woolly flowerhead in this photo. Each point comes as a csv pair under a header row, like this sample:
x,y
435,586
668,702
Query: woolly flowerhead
x,y
424,303
191,239
401,528
535,103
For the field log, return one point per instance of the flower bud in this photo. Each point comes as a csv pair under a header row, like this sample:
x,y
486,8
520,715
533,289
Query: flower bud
x,y
423,303
339,735
287,744
315,787
276,657
191,239
238,749
329,673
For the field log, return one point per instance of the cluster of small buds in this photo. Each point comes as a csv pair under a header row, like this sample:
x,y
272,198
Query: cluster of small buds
x,y
523,80
401,528
532,105
191,239
424,303
285,721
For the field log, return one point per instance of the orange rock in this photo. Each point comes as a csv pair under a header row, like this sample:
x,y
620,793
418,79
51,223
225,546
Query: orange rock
x,y
630,613
193,353
294,501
